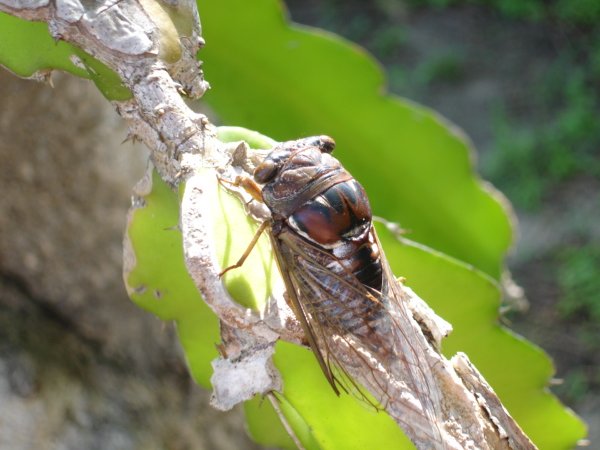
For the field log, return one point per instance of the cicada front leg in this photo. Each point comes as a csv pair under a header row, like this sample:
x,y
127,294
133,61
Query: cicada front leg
x,y
254,190
247,184
263,227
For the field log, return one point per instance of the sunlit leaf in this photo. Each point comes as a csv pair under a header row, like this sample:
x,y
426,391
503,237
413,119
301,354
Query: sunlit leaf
x,y
290,82
159,282
26,48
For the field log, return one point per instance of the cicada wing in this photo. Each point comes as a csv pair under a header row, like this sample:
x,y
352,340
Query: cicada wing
x,y
329,306
375,328
413,354
371,326
293,291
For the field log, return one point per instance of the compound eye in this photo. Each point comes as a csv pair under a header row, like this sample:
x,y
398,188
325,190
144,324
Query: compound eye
x,y
265,171
325,144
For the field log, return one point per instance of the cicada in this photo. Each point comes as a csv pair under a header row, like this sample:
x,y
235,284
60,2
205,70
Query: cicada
x,y
338,282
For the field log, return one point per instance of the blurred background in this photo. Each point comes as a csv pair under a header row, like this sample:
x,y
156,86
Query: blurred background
x,y
519,76
522,79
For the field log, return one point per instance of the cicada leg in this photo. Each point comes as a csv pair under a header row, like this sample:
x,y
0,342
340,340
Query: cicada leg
x,y
246,183
263,227
393,227
250,186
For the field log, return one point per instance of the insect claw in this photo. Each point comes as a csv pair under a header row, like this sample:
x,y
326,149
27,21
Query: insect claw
x,y
263,227
222,350
227,269
223,181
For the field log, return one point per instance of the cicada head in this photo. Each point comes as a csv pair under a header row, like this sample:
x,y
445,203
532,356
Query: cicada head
x,y
268,169
296,171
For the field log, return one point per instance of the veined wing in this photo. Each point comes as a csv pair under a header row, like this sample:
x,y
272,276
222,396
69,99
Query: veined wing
x,y
338,312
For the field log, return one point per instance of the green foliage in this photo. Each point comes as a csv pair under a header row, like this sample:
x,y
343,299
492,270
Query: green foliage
x,y
431,3
159,283
594,64
232,231
579,12
107,81
264,425
27,49
580,284
575,385
577,278
524,9
388,40
445,67
529,161
585,12
320,418
513,166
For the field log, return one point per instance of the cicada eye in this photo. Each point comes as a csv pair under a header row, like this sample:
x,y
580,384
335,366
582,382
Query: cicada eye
x,y
265,171
325,144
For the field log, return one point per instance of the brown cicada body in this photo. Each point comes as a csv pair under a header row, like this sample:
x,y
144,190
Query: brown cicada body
x,y
337,279
324,243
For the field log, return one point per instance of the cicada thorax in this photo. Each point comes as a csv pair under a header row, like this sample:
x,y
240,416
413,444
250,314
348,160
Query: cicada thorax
x,y
322,215
339,220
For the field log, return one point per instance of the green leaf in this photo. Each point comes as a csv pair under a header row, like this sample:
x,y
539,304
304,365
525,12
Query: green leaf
x,y
107,81
253,138
159,281
289,82
334,422
264,424
27,48
233,230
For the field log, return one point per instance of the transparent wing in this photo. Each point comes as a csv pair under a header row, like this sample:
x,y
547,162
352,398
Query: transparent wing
x,y
338,312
